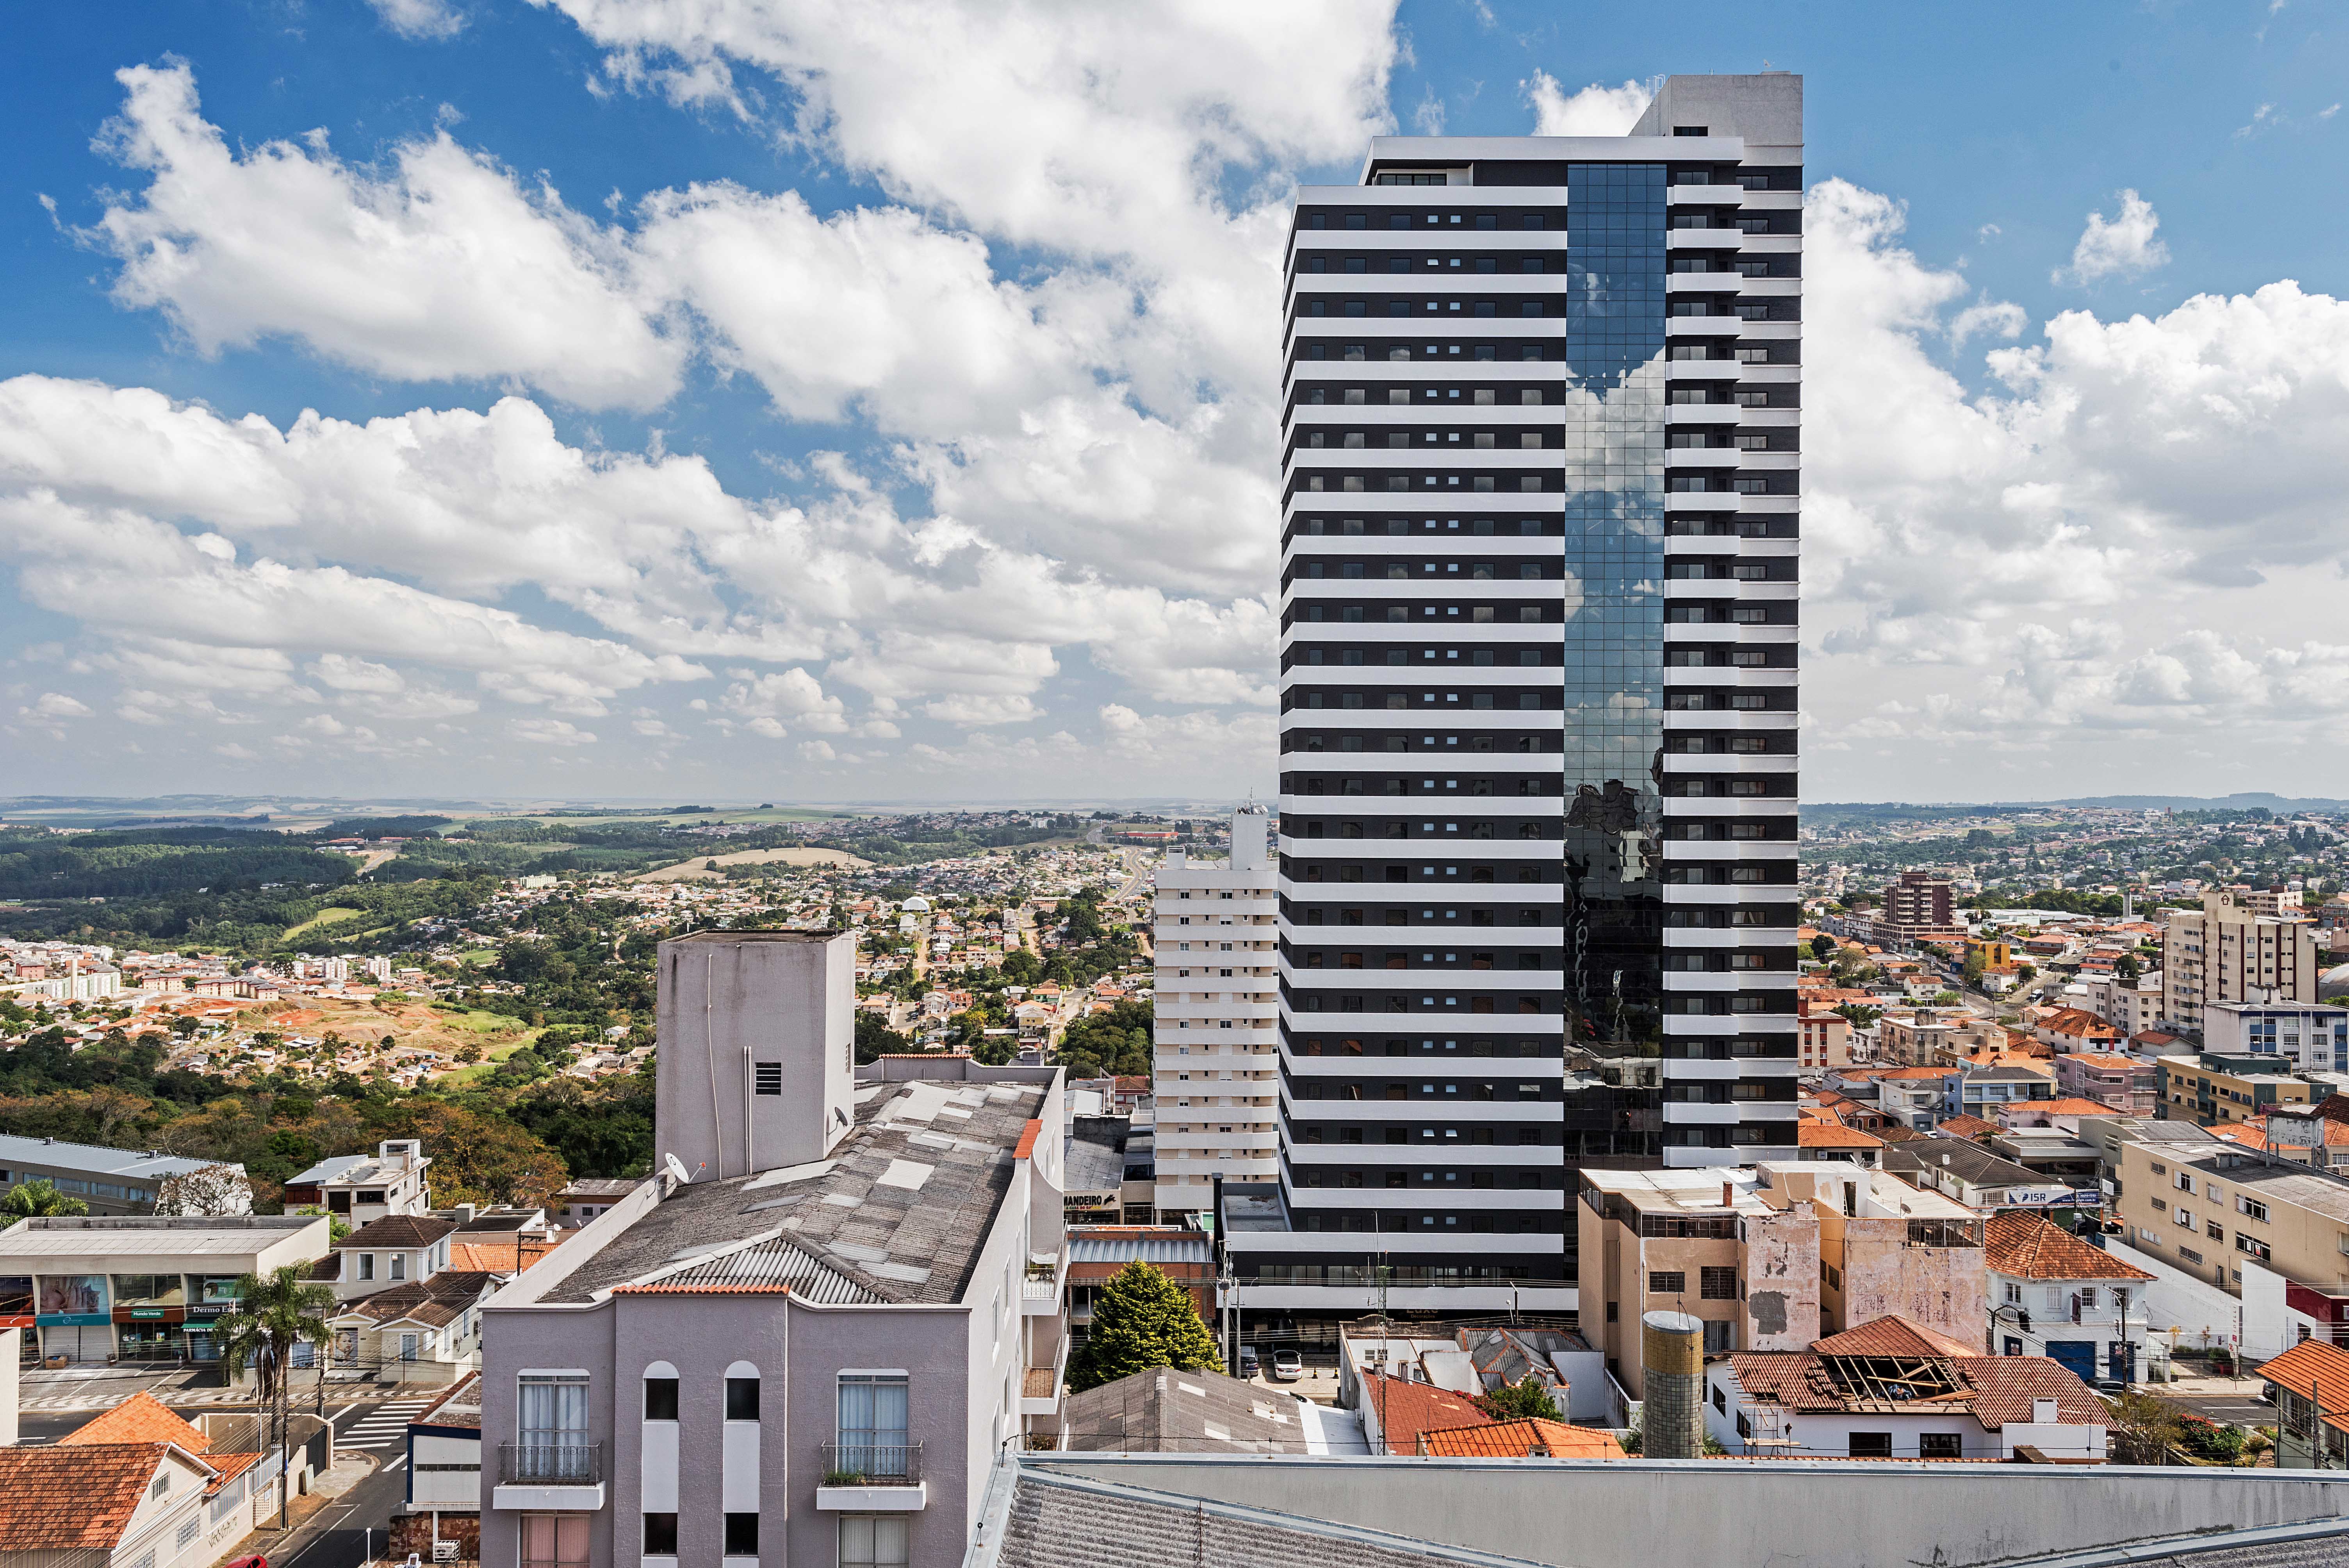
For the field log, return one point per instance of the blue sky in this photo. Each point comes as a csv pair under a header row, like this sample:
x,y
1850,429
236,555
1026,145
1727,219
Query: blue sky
x,y
899,429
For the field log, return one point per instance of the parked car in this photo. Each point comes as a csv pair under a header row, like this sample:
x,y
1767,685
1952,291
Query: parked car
x,y
1250,1363
1288,1366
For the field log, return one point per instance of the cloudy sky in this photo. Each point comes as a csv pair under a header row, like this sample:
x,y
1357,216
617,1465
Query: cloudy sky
x,y
828,399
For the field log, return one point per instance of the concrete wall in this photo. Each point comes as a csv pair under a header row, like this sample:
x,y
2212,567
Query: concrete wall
x,y
1782,1280
730,1000
1708,1514
1943,1288
2179,1309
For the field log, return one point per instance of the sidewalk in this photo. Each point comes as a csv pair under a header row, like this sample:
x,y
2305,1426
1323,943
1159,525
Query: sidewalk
x,y
305,1511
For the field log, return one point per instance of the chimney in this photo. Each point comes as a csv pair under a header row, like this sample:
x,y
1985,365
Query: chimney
x,y
1728,1195
2043,1412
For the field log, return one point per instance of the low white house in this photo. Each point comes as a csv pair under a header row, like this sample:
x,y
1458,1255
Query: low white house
x,y
2052,1295
1892,1389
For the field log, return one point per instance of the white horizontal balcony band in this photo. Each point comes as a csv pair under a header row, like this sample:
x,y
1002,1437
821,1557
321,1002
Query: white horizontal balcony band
x,y
1491,1156
1418,851
1368,503
1411,460
1444,330
1448,980
1455,1196
1682,806
1434,804
1727,937
1680,851
1684,983
1545,372
1729,588
1445,1022
1443,1111
1347,1246
1434,1067
1682,894
1443,285
1763,719
1680,762
1697,1070
1511,415
1732,547
1419,546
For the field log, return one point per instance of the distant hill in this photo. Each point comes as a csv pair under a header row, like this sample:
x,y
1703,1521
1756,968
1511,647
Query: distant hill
x,y
2281,805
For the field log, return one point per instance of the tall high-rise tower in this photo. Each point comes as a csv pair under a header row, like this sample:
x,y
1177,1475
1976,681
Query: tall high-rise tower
x,y
1537,860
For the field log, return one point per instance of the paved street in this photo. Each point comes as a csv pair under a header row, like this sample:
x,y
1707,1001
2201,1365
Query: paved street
x,y
2240,1409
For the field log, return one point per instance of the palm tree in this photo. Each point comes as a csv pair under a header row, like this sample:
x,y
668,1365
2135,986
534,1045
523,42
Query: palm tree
x,y
274,1314
33,1199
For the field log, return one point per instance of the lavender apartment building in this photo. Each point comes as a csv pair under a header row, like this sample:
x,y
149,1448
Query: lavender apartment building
x,y
810,1337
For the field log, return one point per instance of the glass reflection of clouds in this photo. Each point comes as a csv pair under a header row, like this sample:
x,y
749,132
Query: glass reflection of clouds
x,y
1614,547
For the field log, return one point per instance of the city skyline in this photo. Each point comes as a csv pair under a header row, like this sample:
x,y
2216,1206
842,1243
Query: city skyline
x,y
976,499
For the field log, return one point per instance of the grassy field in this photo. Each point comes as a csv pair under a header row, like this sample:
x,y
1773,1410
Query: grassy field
x,y
323,917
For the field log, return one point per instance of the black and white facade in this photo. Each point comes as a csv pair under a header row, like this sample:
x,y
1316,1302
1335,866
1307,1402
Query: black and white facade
x,y
1537,860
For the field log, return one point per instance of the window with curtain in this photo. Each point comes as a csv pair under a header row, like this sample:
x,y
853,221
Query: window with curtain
x,y
872,1425
872,1540
554,1541
554,1427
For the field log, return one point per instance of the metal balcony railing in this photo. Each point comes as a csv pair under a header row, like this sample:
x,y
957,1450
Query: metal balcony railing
x,y
551,1464
886,1463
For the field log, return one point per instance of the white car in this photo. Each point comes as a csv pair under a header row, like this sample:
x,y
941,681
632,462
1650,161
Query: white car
x,y
1288,1366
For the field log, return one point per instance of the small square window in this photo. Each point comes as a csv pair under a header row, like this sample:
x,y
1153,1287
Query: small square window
x,y
741,1534
660,1534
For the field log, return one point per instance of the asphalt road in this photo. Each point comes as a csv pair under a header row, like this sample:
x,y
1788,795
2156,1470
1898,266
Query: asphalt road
x,y
2243,1409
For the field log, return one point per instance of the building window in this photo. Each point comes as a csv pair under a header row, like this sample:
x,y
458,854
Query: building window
x,y
660,1398
872,1425
554,1429
554,1541
1666,1282
741,1399
872,1541
367,1264
660,1534
399,1265
1717,1283
742,1535
1871,1445
1939,1446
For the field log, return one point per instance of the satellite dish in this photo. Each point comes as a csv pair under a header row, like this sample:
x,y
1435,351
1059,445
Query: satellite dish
x,y
674,1168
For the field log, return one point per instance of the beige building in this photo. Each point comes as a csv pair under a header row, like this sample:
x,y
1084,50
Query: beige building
x,y
1215,1046
2229,951
2213,1091
1824,1041
1771,1256
2206,1212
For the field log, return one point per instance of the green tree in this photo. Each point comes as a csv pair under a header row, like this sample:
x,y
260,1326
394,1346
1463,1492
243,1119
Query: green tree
x,y
2142,1429
2125,968
875,1038
1516,1401
1142,1319
29,1200
274,1314
1022,967
1823,946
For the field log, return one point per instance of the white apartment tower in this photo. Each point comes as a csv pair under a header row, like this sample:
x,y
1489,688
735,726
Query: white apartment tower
x,y
1217,1032
1540,526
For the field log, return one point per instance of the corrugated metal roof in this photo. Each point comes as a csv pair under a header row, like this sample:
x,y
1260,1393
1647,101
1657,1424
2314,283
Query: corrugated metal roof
x,y
773,1264
1184,1249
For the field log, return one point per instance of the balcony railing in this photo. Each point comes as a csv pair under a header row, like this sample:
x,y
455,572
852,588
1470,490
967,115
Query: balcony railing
x,y
890,1463
551,1464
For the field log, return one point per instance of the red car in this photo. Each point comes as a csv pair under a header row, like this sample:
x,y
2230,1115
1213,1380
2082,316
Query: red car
x,y
255,1561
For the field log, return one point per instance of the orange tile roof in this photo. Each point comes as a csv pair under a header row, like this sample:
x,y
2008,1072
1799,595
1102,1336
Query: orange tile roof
x,y
1406,1408
1531,1438
2313,1363
2067,1105
60,1498
2032,1246
140,1418
2098,1059
1968,1125
2254,1134
1815,1133
498,1257
1893,1336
